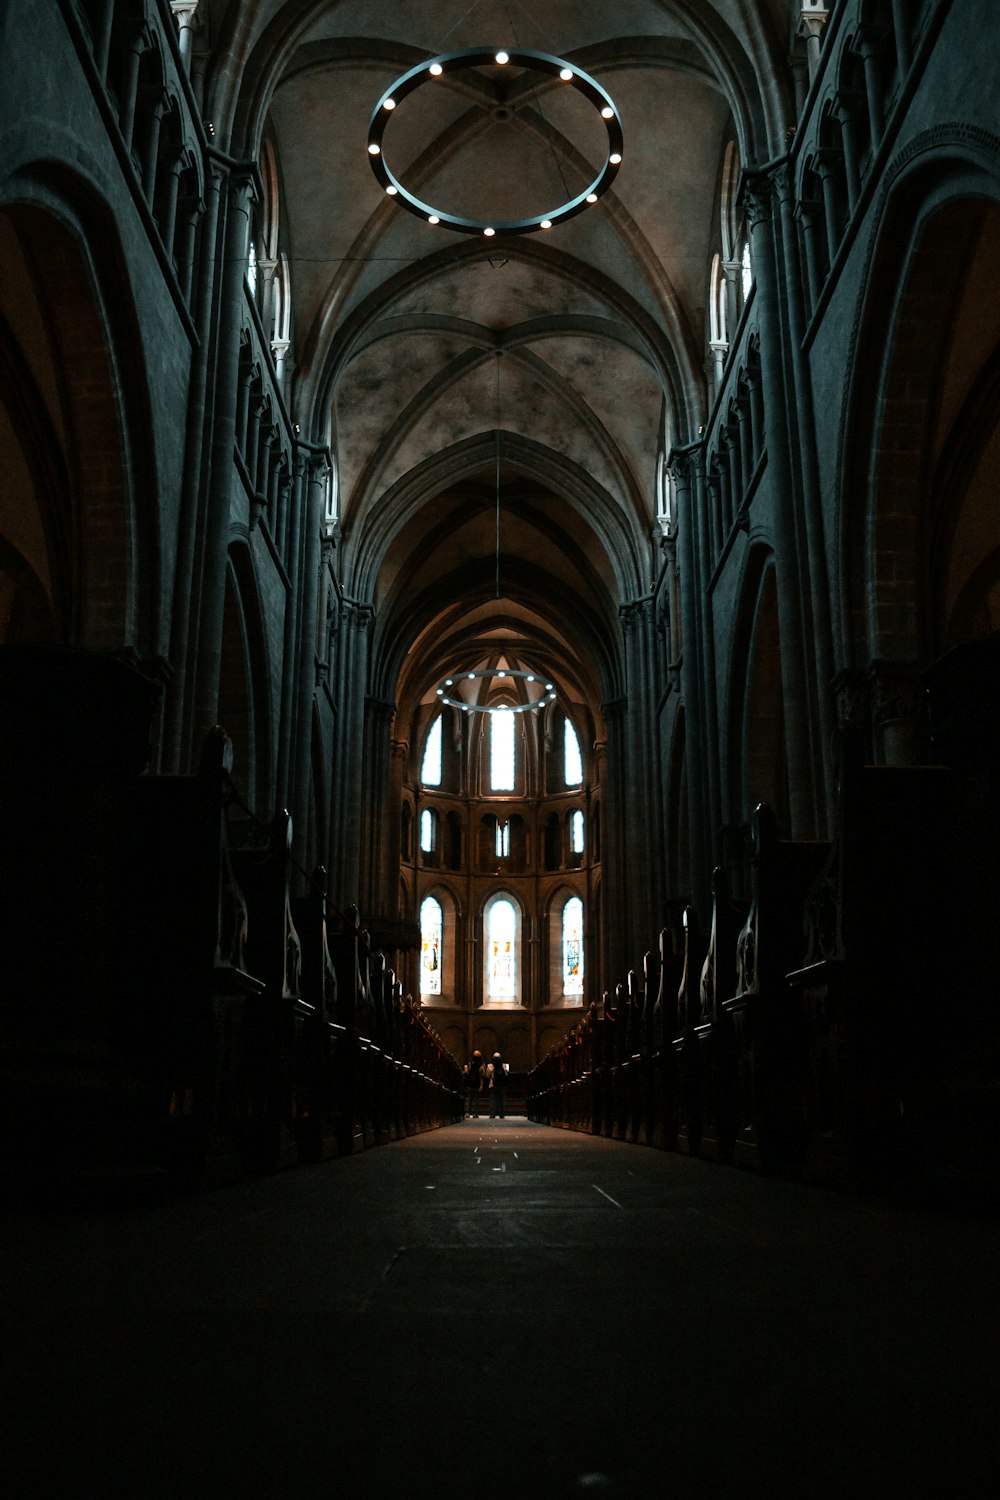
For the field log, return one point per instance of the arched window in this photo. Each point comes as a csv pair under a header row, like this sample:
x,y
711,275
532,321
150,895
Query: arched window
x,y
576,831
430,770
746,270
428,830
251,272
431,926
572,947
717,321
502,750
501,950
502,840
572,762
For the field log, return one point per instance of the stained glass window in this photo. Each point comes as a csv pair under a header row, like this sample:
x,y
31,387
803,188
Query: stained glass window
x,y
572,946
501,950
430,946
430,771
502,750
572,763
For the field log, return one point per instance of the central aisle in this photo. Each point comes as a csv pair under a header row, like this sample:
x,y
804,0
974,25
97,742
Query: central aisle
x,y
500,1309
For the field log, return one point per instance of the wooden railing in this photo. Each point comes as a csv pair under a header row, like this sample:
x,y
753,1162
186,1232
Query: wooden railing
x,y
171,1017
824,1029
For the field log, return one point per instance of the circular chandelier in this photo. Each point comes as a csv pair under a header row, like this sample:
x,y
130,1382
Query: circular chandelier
x,y
474,57
445,694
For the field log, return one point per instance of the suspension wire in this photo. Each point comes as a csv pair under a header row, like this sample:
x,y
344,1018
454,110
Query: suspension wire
x,y
548,129
498,479
463,17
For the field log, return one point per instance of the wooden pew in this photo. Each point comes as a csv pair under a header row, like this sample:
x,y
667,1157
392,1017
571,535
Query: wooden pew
x,y
766,1018
717,1067
687,1053
663,1069
882,1016
275,1017
316,1102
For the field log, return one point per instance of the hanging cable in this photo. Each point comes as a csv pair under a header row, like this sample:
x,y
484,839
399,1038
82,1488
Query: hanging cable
x,y
498,479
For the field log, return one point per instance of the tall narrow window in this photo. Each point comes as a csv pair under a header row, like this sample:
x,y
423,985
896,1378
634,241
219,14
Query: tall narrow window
x,y
430,770
746,270
251,273
501,951
502,750
572,763
430,946
428,830
576,831
503,839
572,946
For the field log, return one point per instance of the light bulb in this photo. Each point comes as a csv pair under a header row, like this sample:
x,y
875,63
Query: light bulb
x,y
388,104
566,74
436,69
392,191
503,57
591,197
373,150
545,224
615,158
489,232
433,219
607,113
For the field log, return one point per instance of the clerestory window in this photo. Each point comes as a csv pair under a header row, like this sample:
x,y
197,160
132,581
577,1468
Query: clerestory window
x,y
502,750
572,761
430,770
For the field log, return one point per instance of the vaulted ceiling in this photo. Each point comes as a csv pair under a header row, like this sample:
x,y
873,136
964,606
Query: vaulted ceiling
x,y
543,371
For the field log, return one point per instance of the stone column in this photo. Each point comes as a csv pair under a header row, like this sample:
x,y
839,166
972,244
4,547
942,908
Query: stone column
x,y
719,349
780,397
288,727
806,212
901,23
846,104
214,524
820,625
279,351
101,34
811,22
826,167
899,713
184,12
871,41
126,112
683,462
178,741
151,145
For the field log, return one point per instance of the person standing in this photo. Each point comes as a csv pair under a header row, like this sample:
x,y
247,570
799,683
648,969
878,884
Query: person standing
x,y
474,1083
496,1072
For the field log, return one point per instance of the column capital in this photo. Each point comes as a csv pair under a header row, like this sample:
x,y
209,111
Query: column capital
x,y
812,19
755,196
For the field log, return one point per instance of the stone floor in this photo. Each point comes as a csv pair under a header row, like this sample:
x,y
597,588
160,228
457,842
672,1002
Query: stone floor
x,y
500,1309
